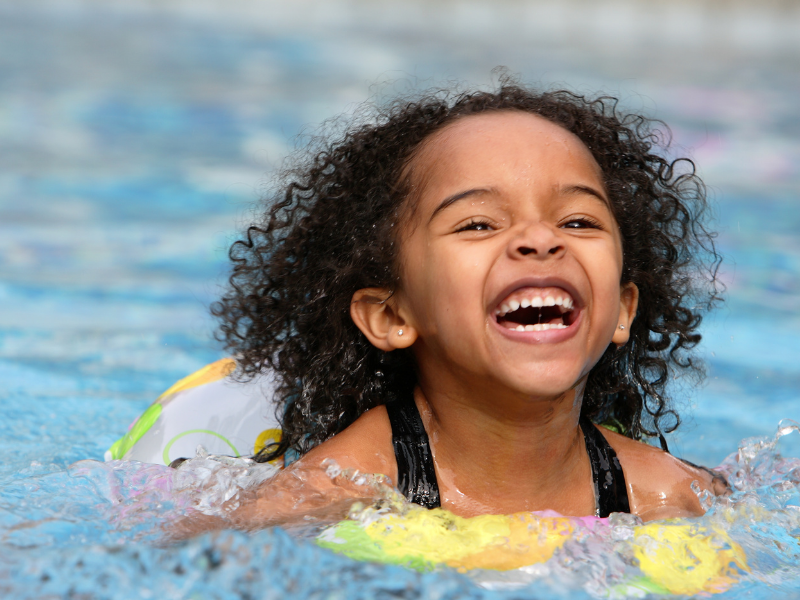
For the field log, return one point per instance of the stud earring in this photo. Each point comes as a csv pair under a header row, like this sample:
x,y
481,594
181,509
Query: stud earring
x,y
622,326
399,332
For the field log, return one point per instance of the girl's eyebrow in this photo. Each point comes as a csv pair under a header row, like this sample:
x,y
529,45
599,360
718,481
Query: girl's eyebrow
x,y
456,197
570,189
585,189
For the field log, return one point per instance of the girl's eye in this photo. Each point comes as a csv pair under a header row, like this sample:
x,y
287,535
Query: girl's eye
x,y
581,223
476,225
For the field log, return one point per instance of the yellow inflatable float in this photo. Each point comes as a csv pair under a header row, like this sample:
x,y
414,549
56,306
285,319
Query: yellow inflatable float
x,y
673,557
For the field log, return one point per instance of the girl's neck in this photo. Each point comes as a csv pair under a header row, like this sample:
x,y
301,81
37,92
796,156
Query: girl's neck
x,y
507,454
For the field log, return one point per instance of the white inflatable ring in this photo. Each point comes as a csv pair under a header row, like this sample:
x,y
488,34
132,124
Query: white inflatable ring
x,y
207,409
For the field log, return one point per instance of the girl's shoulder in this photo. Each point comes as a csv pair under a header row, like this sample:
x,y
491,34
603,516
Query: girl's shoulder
x,y
659,484
366,445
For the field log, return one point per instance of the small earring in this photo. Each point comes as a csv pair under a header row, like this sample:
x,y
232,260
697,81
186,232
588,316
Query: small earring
x,y
622,326
399,332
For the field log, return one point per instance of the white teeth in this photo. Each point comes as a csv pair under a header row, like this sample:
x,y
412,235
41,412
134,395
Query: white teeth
x,y
565,303
540,327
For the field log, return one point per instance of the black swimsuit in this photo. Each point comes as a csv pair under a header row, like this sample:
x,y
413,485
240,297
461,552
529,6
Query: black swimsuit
x,y
416,476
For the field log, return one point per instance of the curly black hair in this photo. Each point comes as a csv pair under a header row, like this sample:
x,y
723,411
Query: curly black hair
x,y
331,228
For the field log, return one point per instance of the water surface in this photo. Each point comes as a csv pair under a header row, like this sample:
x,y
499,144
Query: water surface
x,y
135,142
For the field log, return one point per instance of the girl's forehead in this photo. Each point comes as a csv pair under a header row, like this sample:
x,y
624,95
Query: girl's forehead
x,y
478,145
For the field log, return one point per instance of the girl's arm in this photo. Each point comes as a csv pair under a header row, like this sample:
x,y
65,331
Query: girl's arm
x,y
319,488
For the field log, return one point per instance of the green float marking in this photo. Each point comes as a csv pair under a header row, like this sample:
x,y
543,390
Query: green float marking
x,y
143,424
350,538
165,456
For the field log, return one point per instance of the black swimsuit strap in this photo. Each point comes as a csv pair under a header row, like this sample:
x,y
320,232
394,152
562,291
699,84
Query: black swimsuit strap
x,y
416,475
610,490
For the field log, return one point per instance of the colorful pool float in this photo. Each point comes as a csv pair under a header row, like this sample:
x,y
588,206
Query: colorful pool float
x,y
677,557
207,408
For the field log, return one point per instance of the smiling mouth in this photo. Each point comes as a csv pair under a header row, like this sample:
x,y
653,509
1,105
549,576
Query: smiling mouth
x,y
536,309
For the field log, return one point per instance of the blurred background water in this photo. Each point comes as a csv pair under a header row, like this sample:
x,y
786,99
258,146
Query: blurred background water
x,y
136,136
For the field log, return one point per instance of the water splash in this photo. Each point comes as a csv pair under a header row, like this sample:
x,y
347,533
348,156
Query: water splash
x,y
97,529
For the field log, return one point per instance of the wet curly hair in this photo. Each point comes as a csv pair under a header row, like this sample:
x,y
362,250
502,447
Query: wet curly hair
x,y
330,227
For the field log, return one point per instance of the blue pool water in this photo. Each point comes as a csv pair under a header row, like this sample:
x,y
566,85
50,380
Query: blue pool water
x,y
134,141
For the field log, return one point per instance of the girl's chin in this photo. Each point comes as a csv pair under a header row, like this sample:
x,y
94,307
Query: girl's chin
x,y
541,393
543,384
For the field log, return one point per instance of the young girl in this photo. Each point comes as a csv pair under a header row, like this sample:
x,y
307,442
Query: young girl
x,y
457,292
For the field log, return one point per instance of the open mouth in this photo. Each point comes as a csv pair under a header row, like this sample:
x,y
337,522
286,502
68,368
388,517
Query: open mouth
x,y
536,309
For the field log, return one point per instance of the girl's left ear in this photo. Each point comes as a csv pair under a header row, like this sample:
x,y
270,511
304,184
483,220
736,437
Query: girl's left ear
x,y
377,314
628,303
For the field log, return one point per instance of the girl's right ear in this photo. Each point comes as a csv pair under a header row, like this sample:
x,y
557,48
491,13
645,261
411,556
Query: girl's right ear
x,y
376,314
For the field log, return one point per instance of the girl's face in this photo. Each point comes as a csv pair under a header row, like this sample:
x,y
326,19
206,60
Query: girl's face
x,y
511,263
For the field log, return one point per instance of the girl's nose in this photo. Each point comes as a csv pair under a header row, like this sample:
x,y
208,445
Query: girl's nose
x,y
538,240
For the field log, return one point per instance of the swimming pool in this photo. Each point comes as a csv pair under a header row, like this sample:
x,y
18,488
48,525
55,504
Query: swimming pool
x,y
134,142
